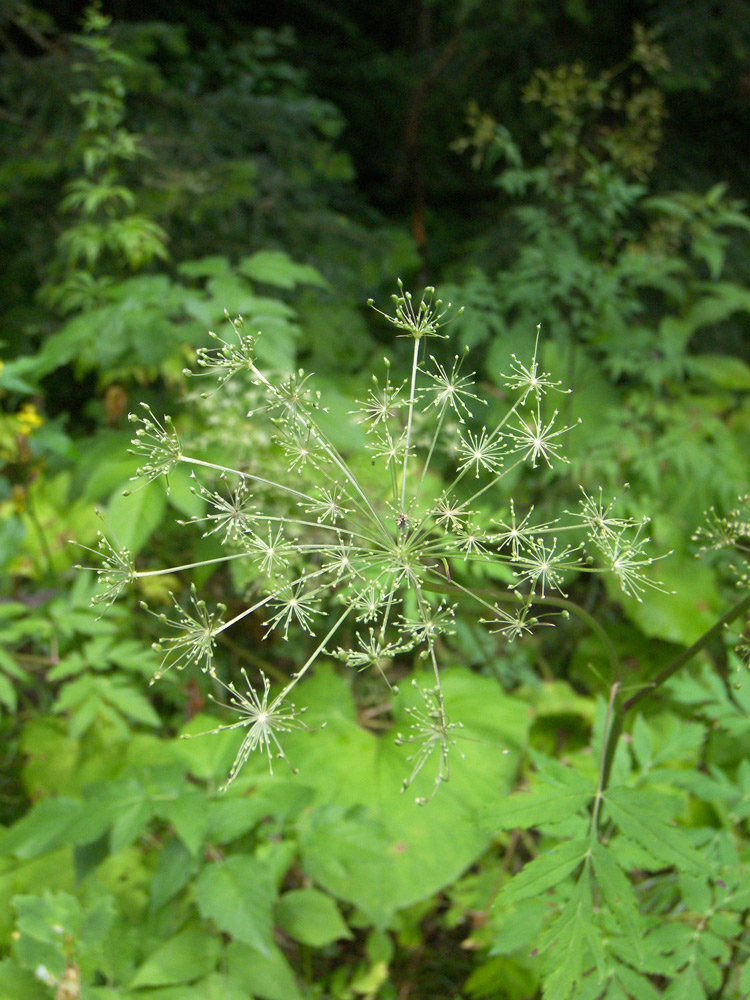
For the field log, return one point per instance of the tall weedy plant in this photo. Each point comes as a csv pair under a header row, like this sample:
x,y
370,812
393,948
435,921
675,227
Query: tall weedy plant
x,y
385,564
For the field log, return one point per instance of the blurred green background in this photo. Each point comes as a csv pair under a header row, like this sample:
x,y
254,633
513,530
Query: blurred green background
x,y
576,164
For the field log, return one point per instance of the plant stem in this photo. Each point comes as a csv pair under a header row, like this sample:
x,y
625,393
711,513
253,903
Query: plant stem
x,y
412,400
687,654
621,710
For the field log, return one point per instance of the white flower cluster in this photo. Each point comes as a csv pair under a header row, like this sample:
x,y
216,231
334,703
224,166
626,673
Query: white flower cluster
x,y
385,563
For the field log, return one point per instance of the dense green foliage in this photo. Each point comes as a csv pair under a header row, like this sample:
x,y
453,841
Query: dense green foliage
x,y
392,575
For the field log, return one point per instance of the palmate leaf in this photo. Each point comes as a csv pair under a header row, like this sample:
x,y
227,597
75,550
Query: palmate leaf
x,y
629,809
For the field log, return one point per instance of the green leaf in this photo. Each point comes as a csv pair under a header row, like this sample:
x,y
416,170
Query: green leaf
x,y
43,828
273,267
7,694
182,495
237,894
174,870
189,814
192,953
618,893
205,267
311,917
270,975
745,978
218,986
558,796
566,940
629,809
16,982
129,825
544,872
721,369
371,846
131,519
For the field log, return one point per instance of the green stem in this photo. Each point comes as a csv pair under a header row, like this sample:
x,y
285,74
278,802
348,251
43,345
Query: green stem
x,y
610,722
622,710
412,400
679,661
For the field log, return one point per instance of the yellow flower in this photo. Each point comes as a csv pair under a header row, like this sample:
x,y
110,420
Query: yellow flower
x,y
28,419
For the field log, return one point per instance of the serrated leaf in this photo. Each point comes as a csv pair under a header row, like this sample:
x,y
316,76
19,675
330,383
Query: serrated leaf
x,y
9,665
619,895
270,975
188,955
237,894
557,797
544,872
128,700
565,940
189,815
43,828
636,984
173,872
311,917
667,843
538,807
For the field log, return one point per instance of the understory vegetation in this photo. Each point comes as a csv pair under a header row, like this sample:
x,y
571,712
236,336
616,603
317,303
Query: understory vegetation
x,y
374,502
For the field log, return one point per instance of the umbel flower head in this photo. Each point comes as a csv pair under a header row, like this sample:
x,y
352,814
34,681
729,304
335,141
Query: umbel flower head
x,y
328,551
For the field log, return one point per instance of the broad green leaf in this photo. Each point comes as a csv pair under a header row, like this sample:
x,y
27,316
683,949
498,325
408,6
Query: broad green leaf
x,y
131,519
129,825
17,983
230,816
182,495
274,267
219,986
43,828
687,609
47,923
373,847
311,917
544,872
266,976
54,870
174,870
205,267
183,958
238,894
189,815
